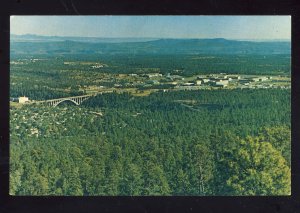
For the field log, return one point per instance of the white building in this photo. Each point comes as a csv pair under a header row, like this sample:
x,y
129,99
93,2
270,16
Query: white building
x,y
23,100
198,82
151,75
188,84
263,78
205,80
222,83
255,79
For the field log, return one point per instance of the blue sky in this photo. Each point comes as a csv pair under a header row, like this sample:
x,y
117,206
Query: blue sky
x,y
230,27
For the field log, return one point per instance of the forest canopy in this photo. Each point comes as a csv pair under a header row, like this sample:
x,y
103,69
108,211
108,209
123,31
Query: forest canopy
x,y
225,142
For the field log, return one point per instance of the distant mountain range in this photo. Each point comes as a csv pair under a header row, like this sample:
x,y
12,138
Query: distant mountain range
x,y
35,44
41,38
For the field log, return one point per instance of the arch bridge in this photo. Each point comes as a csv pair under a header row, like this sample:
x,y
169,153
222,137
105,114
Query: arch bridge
x,y
77,100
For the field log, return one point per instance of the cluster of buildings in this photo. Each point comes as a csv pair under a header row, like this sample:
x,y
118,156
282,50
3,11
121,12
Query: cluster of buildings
x,y
169,81
153,75
96,66
221,80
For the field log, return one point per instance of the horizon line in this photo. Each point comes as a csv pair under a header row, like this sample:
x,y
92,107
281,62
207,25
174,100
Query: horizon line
x,y
238,39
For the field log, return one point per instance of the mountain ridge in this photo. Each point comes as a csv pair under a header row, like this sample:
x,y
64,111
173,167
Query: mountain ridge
x,y
158,46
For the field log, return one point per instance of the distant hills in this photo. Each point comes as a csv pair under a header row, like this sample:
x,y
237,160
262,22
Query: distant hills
x,y
40,38
34,44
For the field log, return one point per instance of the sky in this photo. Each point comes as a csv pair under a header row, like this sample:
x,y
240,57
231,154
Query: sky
x,y
228,27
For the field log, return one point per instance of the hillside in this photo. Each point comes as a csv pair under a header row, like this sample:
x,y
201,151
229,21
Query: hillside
x,y
160,46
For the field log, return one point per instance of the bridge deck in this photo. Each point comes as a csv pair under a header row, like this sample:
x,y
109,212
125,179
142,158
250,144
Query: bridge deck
x,y
65,98
68,98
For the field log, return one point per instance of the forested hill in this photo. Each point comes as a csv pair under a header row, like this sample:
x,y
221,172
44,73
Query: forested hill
x,y
160,46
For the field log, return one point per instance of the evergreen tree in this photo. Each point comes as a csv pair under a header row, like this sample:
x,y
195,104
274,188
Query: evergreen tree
x,y
257,168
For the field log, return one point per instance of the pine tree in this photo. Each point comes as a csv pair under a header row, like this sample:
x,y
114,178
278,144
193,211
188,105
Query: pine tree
x,y
257,168
202,168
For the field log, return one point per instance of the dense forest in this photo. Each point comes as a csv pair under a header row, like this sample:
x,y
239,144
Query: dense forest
x,y
187,65
220,142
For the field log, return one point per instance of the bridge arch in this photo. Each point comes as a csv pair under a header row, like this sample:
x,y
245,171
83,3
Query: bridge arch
x,y
57,103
